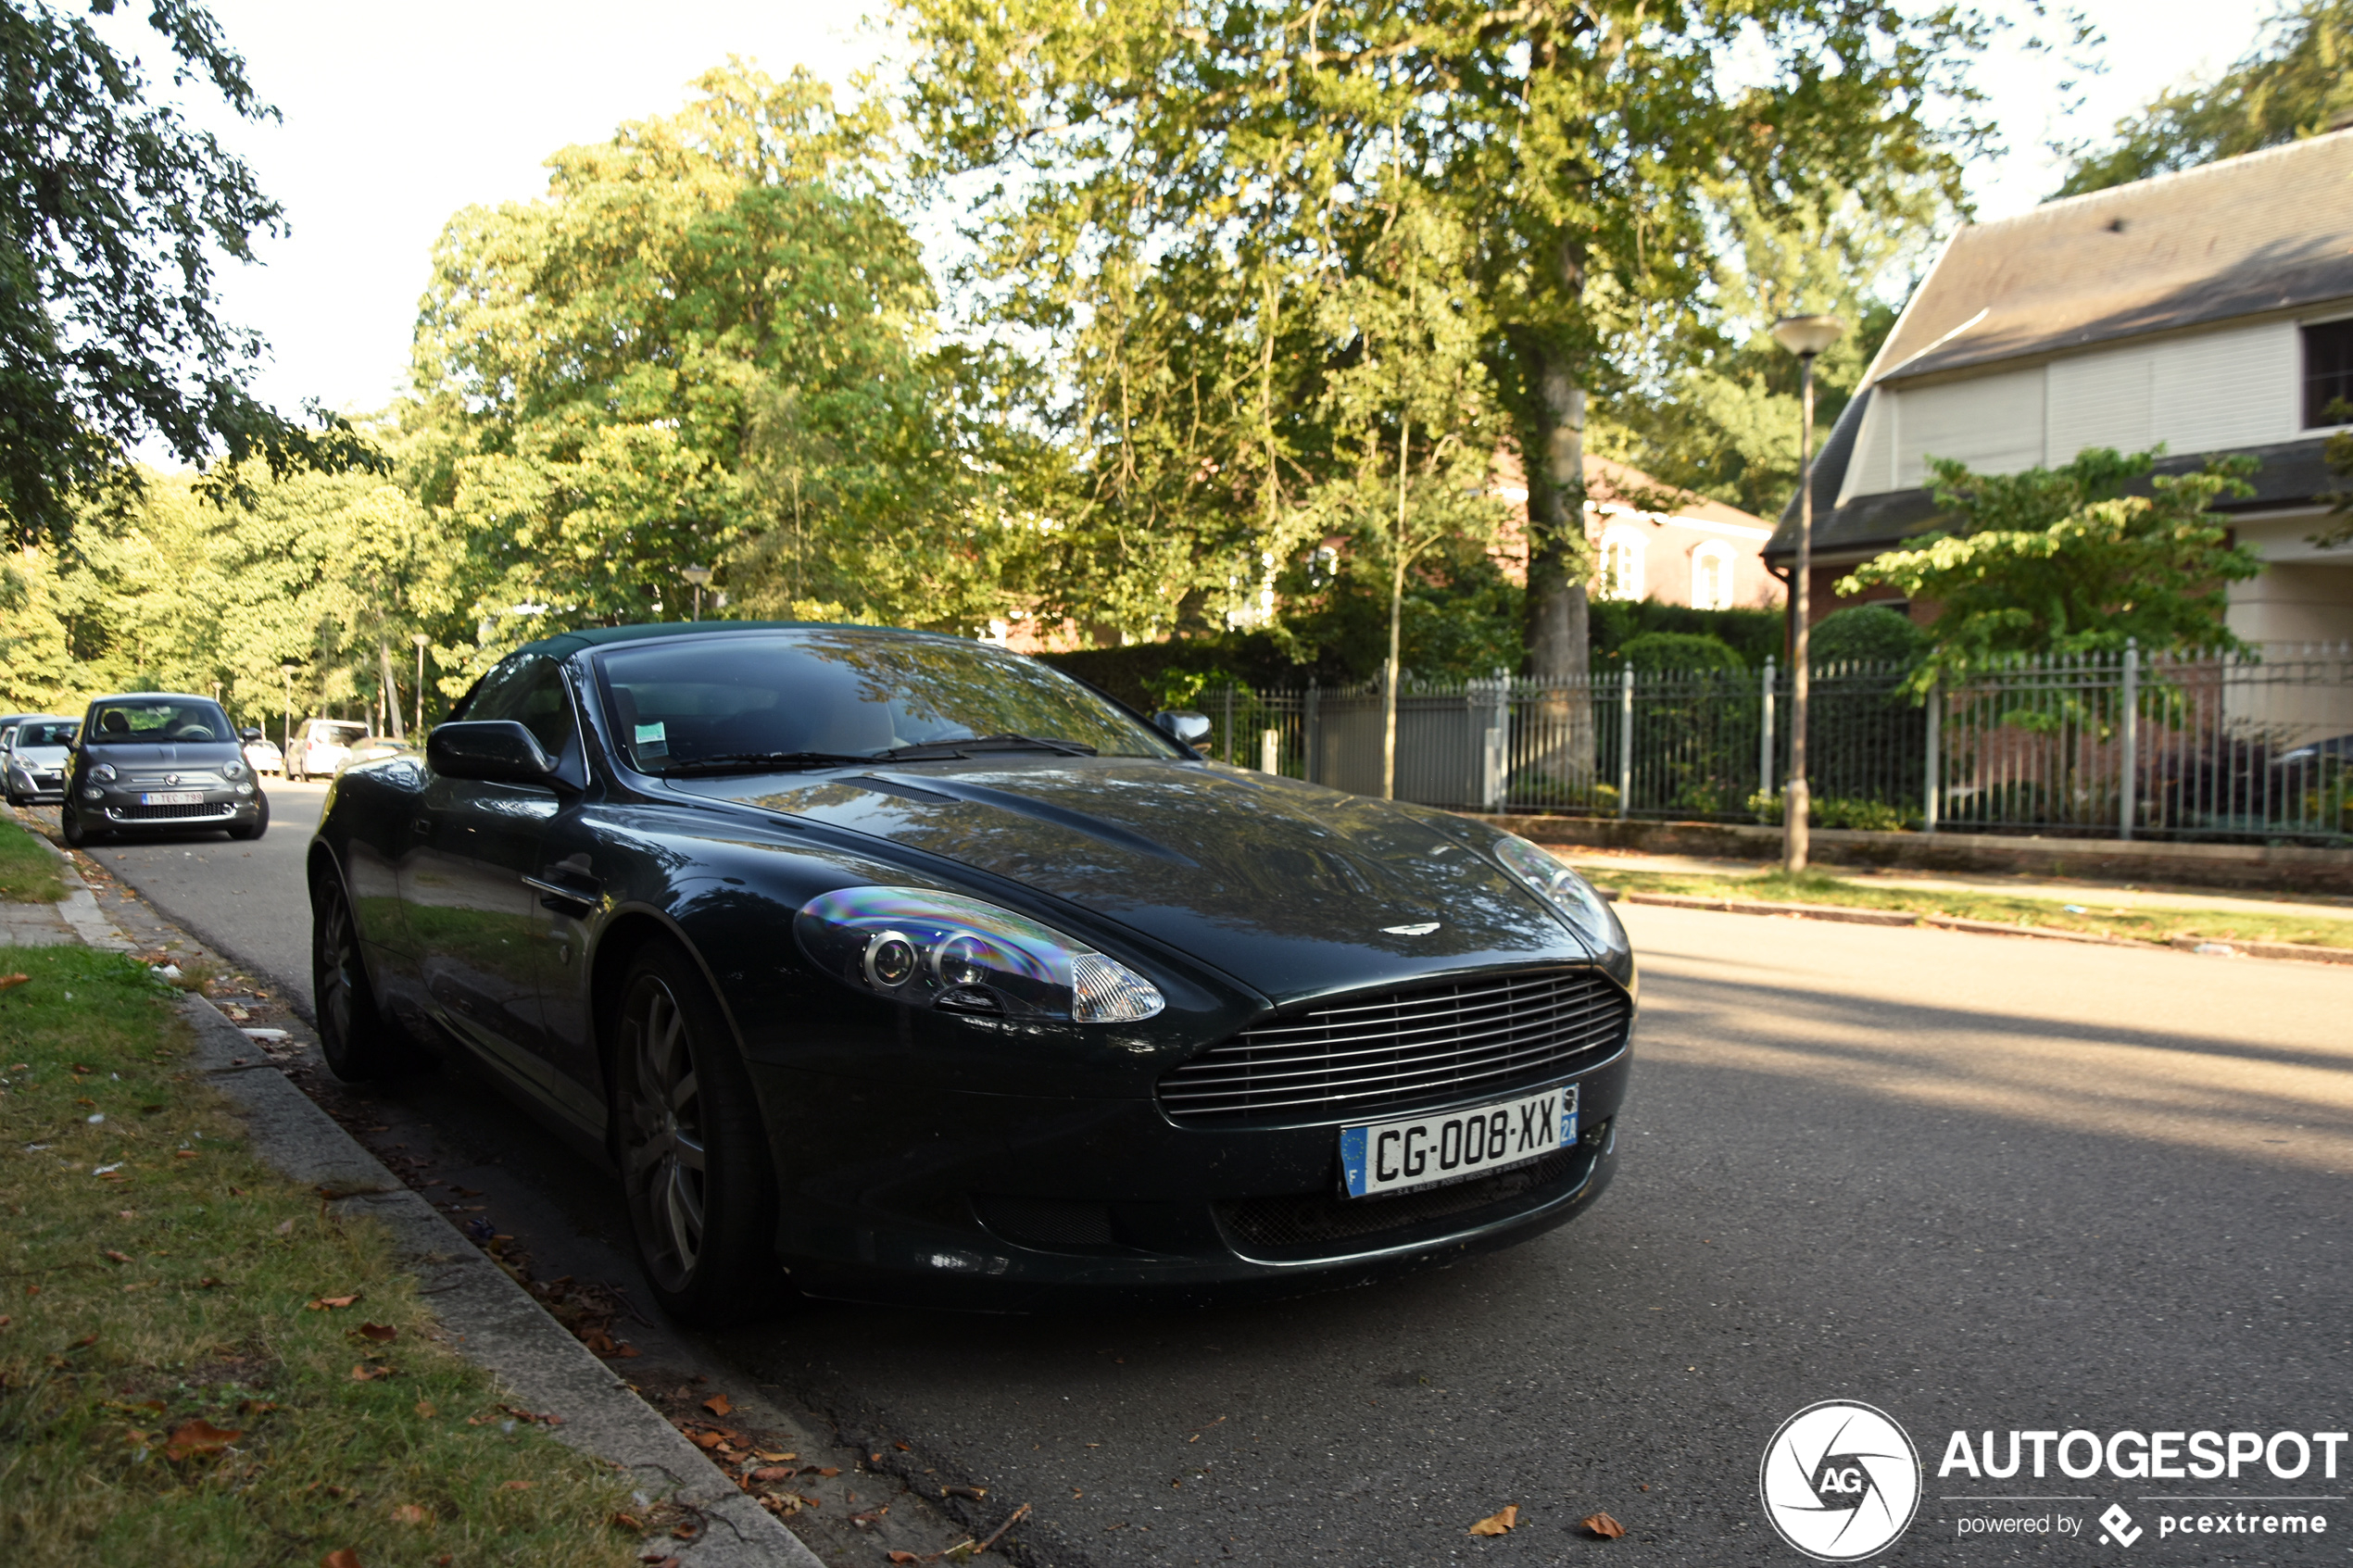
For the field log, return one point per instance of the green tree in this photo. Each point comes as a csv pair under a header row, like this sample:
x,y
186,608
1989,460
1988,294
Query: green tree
x,y
708,344
2063,561
113,214
1163,191
2297,82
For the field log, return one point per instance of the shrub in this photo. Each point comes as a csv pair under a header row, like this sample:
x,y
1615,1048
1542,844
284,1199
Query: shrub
x,y
1680,653
1866,634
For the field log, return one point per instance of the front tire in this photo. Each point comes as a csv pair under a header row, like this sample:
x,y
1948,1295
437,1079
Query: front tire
x,y
260,823
70,823
358,1042
693,1153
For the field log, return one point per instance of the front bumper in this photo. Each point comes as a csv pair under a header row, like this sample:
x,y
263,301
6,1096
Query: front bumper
x,y
906,1195
123,814
36,791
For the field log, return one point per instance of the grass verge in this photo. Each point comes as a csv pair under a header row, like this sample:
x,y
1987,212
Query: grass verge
x,y
28,870
199,1362
2140,923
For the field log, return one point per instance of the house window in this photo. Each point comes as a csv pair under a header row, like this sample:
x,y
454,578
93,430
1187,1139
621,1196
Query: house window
x,y
2328,373
1712,577
1621,565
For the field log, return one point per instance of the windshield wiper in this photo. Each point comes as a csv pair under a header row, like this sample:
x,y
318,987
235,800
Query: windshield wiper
x,y
760,762
936,750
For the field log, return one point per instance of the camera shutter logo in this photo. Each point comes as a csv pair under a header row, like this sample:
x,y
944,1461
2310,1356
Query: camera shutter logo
x,y
1840,1481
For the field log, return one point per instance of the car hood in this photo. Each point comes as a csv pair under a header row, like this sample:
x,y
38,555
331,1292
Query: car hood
x,y
1294,889
39,756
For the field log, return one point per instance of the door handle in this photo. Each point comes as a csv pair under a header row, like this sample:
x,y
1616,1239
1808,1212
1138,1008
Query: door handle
x,y
556,895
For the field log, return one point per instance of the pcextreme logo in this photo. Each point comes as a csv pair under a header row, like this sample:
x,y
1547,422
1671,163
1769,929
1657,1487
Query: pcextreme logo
x,y
1840,1481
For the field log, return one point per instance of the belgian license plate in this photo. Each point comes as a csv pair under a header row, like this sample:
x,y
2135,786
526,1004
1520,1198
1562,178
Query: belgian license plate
x,y
174,797
1429,1150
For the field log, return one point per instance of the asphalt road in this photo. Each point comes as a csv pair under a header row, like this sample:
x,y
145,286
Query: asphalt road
x,y
1980,1183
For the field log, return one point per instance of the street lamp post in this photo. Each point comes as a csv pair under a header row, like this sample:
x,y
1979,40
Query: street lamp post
x,y
287,737
420,640
700,576
1804,336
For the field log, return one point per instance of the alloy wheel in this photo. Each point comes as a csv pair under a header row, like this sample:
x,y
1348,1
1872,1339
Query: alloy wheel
x,y
665,1157
337,967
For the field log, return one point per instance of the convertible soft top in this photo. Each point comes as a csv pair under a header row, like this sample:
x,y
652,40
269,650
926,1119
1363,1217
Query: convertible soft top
x,y
564,644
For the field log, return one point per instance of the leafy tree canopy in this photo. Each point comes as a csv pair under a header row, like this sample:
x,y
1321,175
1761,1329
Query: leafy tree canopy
x,y
2063,561
113,213
2297,82
1866,634
708,344
1165,195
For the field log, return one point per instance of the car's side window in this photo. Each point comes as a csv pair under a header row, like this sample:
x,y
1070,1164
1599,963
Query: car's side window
x,y
530,692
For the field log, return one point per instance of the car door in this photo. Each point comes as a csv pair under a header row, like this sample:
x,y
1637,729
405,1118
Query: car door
x,y
473,917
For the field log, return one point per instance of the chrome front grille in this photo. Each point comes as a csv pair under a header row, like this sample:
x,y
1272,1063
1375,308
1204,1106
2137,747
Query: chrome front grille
x,y
217,810
1400,1048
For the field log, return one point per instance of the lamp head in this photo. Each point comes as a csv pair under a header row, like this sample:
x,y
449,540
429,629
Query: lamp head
x,y
1807,335
419,638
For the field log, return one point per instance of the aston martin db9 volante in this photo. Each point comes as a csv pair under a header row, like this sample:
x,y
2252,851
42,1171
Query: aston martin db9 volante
x,y
912,969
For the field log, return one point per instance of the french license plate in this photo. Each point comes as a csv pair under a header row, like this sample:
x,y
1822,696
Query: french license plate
x,y
1428,1150
174,797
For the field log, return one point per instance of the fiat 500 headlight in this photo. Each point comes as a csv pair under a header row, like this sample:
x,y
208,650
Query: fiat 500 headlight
x,y
1568,895
932,949
102,773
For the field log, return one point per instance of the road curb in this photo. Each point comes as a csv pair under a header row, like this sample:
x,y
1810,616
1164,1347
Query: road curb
x,y
2292,951
492,1321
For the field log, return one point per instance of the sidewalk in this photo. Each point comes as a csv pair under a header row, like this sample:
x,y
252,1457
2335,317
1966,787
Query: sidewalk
x,y
2055,890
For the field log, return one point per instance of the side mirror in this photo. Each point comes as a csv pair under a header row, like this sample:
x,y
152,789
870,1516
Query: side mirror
x,y
493,750
248,733
1184,725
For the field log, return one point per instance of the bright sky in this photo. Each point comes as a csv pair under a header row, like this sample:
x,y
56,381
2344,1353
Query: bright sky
x,y
396,117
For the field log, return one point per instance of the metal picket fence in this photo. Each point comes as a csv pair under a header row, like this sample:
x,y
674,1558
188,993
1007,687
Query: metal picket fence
x,y
2230,746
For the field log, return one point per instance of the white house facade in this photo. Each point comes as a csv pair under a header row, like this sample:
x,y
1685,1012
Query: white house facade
x,y
2209,311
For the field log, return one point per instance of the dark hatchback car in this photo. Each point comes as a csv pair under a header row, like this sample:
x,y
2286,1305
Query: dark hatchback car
x,y
934,974
159,762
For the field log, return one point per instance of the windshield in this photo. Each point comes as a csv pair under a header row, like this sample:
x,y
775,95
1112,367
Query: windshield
x,y
44,731
816,696
157,721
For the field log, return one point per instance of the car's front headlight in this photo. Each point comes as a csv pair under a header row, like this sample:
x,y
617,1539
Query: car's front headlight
x,y
1566,893
931,950
102,773
233,771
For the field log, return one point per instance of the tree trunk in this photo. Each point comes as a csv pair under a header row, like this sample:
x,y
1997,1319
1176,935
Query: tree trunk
x,y
391,690
1558,637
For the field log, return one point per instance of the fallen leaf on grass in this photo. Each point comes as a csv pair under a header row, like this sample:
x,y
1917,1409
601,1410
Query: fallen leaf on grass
x,y
517,1486
625,1521
286,1227
209,1283
1497,1523
411,1514
9,980
329,1303
367,1374
114,1257
717,1405
378,1332
1601,1524
255,1407
425,1408
197,1436
342,1557
183,1154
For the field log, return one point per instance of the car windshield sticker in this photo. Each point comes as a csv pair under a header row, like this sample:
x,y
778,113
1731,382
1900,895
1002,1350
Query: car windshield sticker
x,y
652,741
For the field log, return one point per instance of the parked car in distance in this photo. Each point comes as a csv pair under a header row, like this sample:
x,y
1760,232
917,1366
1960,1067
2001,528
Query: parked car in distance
x,y
263,756
34,757
152,762
932,974
321,746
